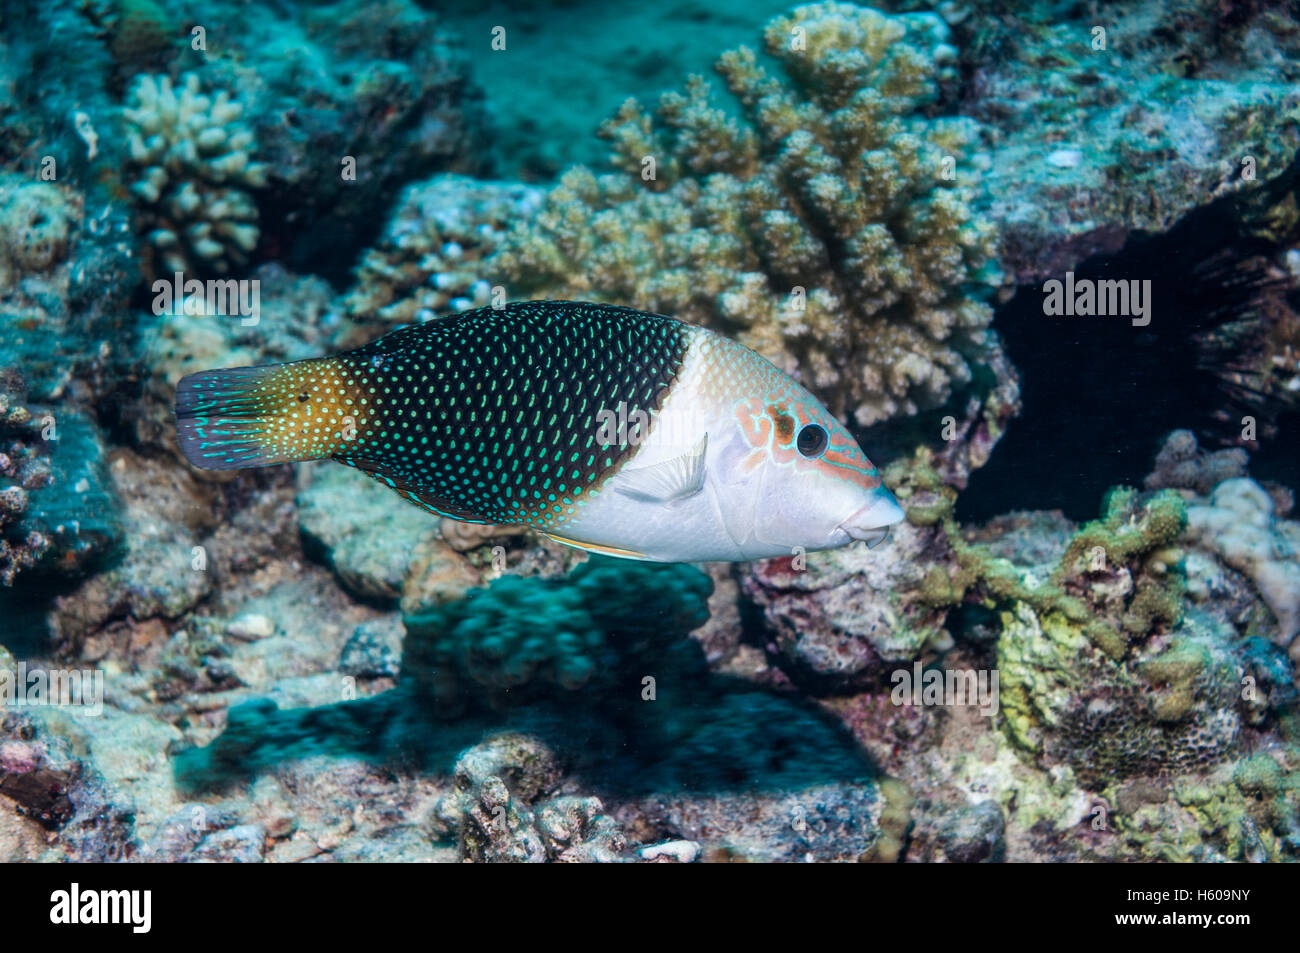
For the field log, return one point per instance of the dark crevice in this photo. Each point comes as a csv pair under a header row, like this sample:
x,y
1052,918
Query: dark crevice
x,y
1099,393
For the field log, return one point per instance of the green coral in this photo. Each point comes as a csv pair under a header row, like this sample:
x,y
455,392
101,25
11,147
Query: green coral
x,y
531,631
828,227
1064,700
1248,811
1120,578
1098,667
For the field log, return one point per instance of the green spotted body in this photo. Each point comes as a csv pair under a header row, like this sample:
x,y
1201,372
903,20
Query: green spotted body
x,y
620,432
488,416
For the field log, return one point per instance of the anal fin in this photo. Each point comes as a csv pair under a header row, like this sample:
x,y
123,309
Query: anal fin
x,y
595,547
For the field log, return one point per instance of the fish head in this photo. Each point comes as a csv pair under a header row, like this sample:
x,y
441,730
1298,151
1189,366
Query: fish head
x,y
796,478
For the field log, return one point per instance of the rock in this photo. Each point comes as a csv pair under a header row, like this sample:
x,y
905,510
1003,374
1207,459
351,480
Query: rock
x,y
973,835
250,627
675,851
364,531
244,844
374,650
851,615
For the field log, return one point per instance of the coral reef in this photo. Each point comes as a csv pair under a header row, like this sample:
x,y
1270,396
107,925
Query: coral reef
x,y
1100,136
429,261
1163,714
1238,524
65,272
823,230
853,614
56,508
193,174
349,102
295,669
1181,464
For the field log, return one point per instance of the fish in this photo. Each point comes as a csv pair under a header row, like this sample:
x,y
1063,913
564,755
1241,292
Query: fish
x,y
617,431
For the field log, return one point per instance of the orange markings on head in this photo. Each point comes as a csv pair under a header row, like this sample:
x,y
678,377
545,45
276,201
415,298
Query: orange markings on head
x,y
751,461
771,428
852,464
784,423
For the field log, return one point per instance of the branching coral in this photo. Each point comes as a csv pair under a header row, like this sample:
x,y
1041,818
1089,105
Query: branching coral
x,y
194,160
829,228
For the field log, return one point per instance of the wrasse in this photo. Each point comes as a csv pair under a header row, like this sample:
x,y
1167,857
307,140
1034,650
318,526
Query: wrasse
x,y
609,429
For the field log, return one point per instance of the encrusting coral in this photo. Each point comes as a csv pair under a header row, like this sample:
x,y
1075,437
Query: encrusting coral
x,y
829,228
1182,465
37,220
1238,523
193,159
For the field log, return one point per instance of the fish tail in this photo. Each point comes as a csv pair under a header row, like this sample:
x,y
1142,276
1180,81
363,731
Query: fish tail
x,y
259,416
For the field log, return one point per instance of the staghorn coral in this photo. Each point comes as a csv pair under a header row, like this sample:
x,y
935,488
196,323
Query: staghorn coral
x,y
193,159
821,228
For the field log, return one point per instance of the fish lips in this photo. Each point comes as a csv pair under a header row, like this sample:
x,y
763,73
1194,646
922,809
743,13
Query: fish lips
x,y
872,524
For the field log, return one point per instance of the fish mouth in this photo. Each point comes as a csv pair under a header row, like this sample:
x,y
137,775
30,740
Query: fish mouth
x,y
872,523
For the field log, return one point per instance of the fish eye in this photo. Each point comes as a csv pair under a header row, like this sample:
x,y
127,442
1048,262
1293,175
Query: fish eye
x,y
812,440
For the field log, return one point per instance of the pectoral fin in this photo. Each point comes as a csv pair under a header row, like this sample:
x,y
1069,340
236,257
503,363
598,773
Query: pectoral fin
x,y
673,479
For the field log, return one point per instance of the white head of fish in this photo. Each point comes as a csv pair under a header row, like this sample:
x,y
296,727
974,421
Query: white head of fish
x,y
740,463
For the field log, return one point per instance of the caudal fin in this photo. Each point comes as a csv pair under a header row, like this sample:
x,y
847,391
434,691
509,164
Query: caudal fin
x,y
243,417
